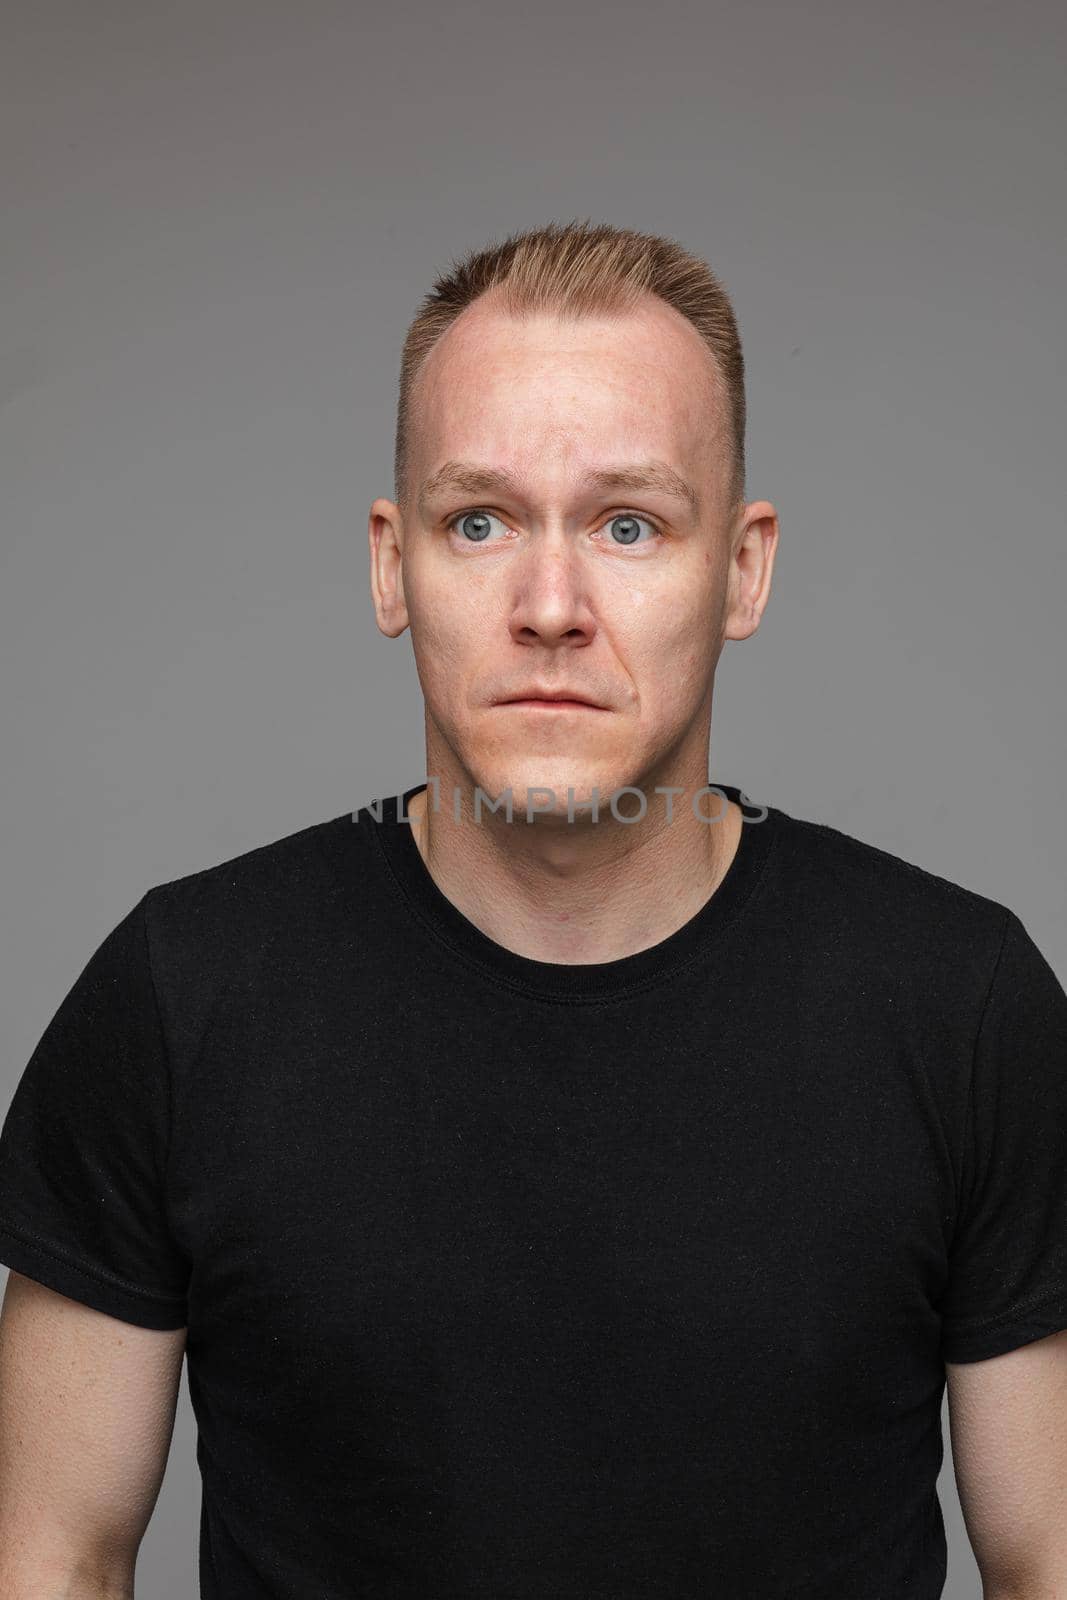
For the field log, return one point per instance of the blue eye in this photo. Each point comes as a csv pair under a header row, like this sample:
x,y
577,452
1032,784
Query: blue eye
x,y
624,528
473,525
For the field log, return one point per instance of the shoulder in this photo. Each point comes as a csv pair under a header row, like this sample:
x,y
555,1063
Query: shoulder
x,y
887,909
224,916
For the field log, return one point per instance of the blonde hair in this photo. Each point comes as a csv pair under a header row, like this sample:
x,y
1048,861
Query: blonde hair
x,y
580,268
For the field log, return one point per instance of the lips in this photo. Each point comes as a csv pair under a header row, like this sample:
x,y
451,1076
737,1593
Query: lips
x,y
542,707
551,703
553,697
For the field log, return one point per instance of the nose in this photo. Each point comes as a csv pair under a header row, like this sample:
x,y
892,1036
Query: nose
x,y
550,599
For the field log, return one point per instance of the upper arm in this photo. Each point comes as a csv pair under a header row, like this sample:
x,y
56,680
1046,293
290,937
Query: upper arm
x,y
1008,1425
87,1406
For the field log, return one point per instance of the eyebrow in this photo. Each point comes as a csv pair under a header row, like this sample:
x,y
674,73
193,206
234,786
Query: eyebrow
x,y
466,477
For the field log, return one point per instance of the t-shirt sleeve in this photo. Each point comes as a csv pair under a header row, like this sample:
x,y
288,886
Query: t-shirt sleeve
x,y
83,1147
1008,1259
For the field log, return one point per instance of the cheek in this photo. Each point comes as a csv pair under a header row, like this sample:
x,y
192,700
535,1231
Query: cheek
x,y
452,637
671,641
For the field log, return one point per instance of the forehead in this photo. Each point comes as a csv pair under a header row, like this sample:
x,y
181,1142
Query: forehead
x,y
500,387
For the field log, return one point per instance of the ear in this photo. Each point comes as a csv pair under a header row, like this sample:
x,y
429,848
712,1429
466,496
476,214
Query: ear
x,y
385,533
753,547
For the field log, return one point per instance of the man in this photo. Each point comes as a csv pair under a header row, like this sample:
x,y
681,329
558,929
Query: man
x,y
567,1179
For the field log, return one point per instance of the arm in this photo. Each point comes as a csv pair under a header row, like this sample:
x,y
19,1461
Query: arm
x,y
87,1407
1008,1425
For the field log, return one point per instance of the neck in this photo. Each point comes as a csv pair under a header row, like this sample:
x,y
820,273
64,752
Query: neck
x,y
579,892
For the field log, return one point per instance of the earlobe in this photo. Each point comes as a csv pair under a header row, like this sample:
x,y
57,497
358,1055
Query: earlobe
x,y
742,622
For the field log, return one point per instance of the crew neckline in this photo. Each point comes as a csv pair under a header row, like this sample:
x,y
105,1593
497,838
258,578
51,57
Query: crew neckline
x,y
571,982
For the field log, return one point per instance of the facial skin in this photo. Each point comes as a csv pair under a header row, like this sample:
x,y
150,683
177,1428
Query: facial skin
x,y
554,594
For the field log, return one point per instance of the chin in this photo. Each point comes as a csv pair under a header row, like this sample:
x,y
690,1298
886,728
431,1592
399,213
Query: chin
x,y
528,777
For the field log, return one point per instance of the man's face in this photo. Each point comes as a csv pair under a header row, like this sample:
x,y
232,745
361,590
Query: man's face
x,y
545,577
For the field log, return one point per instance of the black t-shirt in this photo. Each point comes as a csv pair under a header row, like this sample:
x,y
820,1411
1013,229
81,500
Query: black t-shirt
x,y
510,1280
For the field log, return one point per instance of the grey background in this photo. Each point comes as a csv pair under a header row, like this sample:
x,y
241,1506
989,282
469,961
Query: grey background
x,y
218,221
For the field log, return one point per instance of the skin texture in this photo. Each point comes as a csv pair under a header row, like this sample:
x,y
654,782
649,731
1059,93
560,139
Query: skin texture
x,y
87,1407
1008,1425
552,596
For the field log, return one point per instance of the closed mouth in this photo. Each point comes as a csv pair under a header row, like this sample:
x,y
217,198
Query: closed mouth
x,y
543,701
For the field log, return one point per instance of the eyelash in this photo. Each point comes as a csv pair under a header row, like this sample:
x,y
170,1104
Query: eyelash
x,y
637,515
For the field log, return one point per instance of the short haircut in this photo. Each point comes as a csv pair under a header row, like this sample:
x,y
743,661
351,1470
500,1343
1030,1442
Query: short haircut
x,y
580,268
